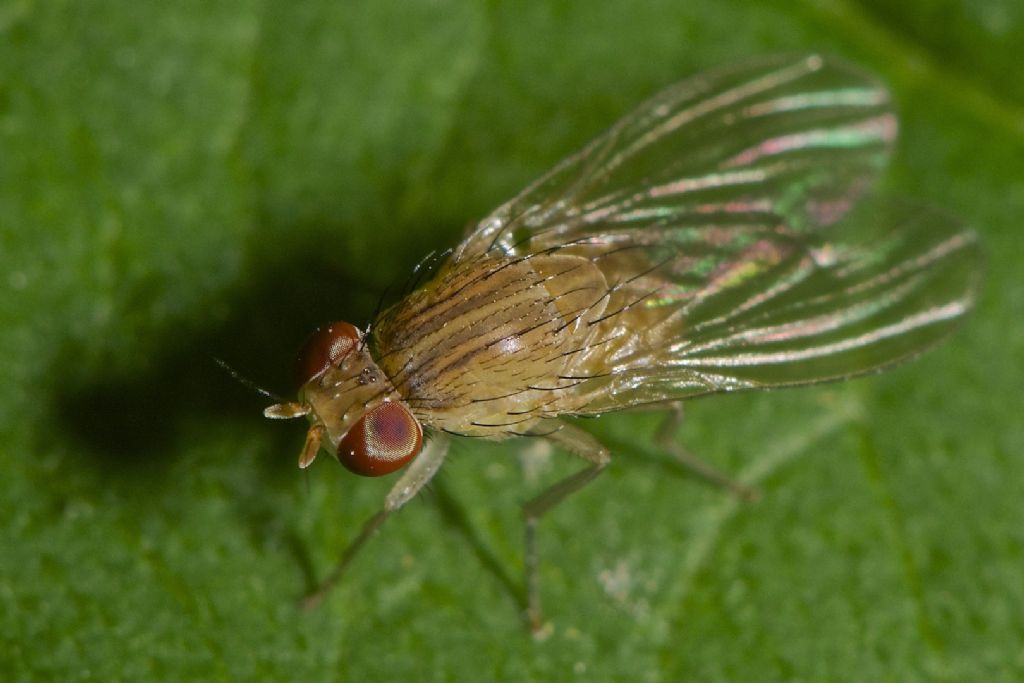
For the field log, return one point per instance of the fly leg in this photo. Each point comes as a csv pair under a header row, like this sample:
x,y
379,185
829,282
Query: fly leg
x,y
577,442
665,438
420,471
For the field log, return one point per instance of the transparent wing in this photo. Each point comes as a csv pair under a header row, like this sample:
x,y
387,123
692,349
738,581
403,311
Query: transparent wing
x,y
719,213
793,137
889,282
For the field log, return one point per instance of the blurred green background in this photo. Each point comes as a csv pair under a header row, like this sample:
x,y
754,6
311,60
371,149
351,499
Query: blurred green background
x,y
183,181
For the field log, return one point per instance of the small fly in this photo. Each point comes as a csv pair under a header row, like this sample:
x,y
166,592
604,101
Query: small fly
x,y
713,240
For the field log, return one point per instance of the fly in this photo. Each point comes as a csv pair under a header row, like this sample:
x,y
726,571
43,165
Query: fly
x,y
713,240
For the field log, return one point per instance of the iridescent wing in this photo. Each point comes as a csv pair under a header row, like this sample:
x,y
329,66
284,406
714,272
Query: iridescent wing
x,y
714,212
886,284
793,137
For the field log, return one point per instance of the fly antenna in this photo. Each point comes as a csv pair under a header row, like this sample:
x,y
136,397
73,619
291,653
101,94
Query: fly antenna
x,y
245,381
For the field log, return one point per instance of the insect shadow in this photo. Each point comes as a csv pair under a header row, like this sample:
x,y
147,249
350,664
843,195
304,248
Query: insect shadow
x,y
128,425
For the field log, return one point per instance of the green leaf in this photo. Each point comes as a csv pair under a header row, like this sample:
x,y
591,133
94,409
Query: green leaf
x,y
185,181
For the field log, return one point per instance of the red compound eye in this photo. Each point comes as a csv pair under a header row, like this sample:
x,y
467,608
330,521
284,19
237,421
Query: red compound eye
x,y
382,441
324,348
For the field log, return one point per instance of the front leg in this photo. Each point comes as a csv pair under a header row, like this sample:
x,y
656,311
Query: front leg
x,y
421,470
582,444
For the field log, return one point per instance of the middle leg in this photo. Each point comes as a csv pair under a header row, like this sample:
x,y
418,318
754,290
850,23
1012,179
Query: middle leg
x,y
582,444
666,438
